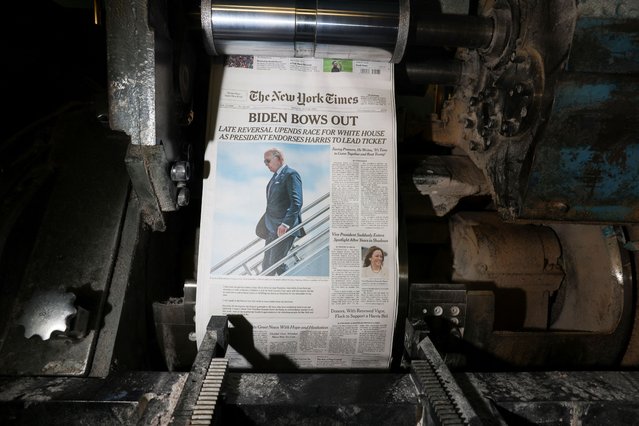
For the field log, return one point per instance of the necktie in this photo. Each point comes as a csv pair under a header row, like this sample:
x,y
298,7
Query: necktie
x,y
270,183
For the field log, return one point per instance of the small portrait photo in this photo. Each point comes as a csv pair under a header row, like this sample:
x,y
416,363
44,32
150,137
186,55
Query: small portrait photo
x,y
271,210
338,65
373,262
238,61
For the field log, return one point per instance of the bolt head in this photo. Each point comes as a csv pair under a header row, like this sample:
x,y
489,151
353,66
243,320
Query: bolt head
x,y
181,171
184,197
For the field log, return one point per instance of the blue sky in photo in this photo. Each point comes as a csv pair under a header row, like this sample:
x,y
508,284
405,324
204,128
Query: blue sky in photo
x,y
240,188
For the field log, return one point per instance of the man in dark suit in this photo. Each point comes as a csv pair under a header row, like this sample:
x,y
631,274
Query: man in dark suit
x,y
283,210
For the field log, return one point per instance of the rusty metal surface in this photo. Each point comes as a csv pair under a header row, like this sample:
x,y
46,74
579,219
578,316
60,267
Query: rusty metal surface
x,y
519,262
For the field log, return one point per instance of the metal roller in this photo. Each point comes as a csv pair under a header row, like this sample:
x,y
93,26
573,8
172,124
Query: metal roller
x,y
354,29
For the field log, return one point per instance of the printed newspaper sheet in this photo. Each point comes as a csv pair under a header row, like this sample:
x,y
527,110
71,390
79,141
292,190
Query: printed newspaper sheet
x,y
298,236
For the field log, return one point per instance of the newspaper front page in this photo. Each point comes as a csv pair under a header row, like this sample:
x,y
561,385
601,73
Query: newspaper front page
x,y
298,235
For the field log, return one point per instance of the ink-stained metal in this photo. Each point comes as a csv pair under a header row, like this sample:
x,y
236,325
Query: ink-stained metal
x,y
586,165
607,45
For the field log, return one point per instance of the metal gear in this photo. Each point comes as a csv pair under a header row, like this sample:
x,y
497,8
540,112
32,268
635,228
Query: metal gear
x,y
46,312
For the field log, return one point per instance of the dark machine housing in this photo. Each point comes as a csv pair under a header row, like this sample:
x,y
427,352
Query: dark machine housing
x,y
518,171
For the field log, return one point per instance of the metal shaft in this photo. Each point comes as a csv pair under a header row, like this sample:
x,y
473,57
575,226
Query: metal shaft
x,y
454,31
348,29
446,72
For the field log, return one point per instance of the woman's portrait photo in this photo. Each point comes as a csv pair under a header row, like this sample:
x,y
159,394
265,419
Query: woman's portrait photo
x,y
373,265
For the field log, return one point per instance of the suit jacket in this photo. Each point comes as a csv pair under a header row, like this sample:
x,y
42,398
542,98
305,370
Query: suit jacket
x,y
283,204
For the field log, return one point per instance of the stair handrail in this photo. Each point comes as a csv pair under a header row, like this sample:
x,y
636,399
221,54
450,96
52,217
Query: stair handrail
x,y
273,243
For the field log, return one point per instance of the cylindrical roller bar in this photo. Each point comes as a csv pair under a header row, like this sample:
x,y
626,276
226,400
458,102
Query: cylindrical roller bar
x,y
348,29
435,72
454,31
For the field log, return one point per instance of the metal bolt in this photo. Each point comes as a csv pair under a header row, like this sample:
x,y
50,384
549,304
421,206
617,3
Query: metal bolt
x,y
181,171
438,311
184,196
192,337
455,321
424,311
454,310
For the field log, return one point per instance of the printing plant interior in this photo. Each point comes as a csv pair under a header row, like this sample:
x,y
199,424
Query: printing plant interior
x,y
517,171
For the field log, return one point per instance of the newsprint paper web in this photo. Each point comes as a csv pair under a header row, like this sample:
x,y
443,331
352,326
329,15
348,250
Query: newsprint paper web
x,y
298,235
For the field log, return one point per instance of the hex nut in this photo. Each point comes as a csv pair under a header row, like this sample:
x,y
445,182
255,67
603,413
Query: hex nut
x,y
180,171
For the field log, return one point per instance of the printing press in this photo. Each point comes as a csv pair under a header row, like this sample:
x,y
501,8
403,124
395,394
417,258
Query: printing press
x,y
518,180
